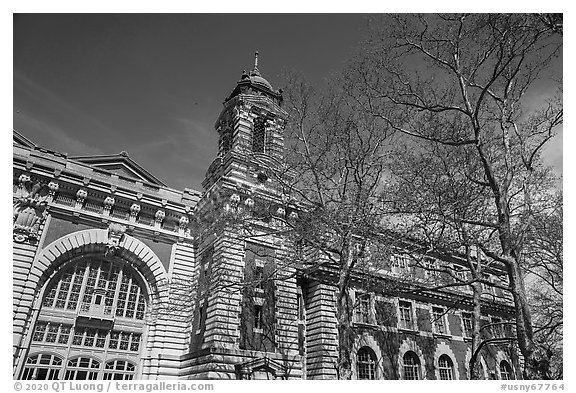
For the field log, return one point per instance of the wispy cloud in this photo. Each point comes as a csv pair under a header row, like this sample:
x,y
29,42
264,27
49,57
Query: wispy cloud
x,y
59,108
53,136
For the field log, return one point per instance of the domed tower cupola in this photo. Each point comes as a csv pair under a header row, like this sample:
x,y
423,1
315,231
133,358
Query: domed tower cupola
x,y
253,83
250,130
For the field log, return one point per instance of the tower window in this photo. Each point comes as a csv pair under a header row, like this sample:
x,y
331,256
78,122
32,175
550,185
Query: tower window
x,y
259,135
226,141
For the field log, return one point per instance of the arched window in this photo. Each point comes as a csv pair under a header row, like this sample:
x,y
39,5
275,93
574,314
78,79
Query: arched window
x,y
82,368
119,369
505,370
411,366
259,135
97,287
42,366
366,363
446,367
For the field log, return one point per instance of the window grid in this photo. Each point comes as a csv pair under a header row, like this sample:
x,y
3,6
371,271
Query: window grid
x,y
259,135
42,367
51,333
119,370
83,368
445,367
76,288
411,366
366,364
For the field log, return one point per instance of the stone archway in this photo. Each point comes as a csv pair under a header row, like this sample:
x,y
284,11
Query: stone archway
x,y
108,247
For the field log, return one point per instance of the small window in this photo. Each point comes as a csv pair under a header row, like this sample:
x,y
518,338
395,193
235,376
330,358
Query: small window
x,y
438,321
497,329
431,269
467,324
226,141
257,317
505,370
366,363
411,365
446,368
405,321
119,370
364,308
400,264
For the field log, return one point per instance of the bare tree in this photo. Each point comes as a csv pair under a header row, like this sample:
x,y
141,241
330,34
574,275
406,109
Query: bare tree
x,y
461,84
340,157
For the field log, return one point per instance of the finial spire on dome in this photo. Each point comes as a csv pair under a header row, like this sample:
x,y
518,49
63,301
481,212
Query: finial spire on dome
x,y
255,71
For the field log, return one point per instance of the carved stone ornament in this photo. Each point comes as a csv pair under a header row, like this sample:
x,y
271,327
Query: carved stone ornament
x,y
81,195
134,210
30,202
159,216
281,212
235,199
108,203
53,188
249,203
115,233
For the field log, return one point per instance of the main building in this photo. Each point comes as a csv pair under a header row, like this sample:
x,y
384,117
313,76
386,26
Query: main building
x,y
117,276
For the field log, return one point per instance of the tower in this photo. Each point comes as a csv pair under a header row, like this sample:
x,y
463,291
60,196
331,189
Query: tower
x,y
245,313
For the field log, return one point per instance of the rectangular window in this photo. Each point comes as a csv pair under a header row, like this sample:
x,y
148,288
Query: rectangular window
x,y
257,317
431,268
438,322
259,135
364,308
497,330
467,324
400,264
405,321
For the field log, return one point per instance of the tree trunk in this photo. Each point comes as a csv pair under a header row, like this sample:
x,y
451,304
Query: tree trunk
x,y
344,317
476,339
536,359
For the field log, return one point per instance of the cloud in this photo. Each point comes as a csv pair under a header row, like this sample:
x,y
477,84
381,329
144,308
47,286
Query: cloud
x,y
53,136
45,99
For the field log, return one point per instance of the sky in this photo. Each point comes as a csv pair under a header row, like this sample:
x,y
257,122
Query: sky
x,y
153,84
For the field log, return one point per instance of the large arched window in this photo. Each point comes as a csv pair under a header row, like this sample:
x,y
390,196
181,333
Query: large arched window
x,y
366,363
42,366
82,368
446,367
119,369
411,365
92,309
506,370
96,286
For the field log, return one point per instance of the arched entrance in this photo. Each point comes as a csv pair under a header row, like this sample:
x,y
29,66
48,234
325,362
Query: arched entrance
x,y
91,322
